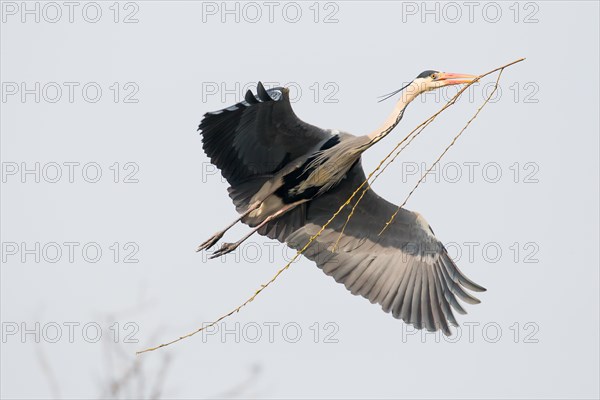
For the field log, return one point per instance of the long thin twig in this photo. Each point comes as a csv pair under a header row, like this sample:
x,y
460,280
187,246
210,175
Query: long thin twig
x,y
418,129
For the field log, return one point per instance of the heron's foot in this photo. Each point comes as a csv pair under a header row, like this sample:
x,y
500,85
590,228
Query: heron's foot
x,y
225,248
211,242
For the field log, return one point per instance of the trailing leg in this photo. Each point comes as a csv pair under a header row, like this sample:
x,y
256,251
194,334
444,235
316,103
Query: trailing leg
x,y
229,247
215,238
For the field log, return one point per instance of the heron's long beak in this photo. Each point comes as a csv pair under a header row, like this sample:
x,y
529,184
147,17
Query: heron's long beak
x,y
449,78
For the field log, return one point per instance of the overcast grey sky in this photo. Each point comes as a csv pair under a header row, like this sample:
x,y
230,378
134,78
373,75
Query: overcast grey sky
x,y
106,192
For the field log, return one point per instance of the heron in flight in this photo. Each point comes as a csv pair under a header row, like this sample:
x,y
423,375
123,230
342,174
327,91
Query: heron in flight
x,y
287,178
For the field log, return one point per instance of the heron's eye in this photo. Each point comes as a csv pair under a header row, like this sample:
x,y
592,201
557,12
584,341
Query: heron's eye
x,y
433,76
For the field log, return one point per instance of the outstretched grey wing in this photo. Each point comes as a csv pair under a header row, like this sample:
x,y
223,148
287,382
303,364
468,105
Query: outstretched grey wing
x,y
257,136
406,270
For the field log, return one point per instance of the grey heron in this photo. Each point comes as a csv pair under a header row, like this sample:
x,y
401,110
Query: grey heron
x,y
287,178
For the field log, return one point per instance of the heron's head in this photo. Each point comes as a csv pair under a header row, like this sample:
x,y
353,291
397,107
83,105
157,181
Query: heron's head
x,y
430,80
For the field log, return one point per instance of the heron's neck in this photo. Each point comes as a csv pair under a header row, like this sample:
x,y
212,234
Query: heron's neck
x,y
394,118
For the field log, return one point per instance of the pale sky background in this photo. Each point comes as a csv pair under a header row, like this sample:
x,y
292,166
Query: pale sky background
x,y
534,335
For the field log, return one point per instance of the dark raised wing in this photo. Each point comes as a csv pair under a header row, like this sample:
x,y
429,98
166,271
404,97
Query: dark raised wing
x,y
257,136
406,270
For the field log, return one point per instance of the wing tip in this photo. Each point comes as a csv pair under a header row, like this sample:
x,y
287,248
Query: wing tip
x,y
460,276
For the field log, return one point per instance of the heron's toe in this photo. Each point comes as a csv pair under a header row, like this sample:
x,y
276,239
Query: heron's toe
x,y
225,248
210,242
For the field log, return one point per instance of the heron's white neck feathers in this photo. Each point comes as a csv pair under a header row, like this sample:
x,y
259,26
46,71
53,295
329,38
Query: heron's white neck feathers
x,y
408,95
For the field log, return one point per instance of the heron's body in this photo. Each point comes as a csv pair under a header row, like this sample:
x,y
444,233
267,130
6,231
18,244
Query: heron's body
x,y
287,180
306,177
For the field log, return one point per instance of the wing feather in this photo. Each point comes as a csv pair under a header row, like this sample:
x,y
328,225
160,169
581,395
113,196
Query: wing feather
x,y
443,302
448,291
436,304
406,311
426,314
387,283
